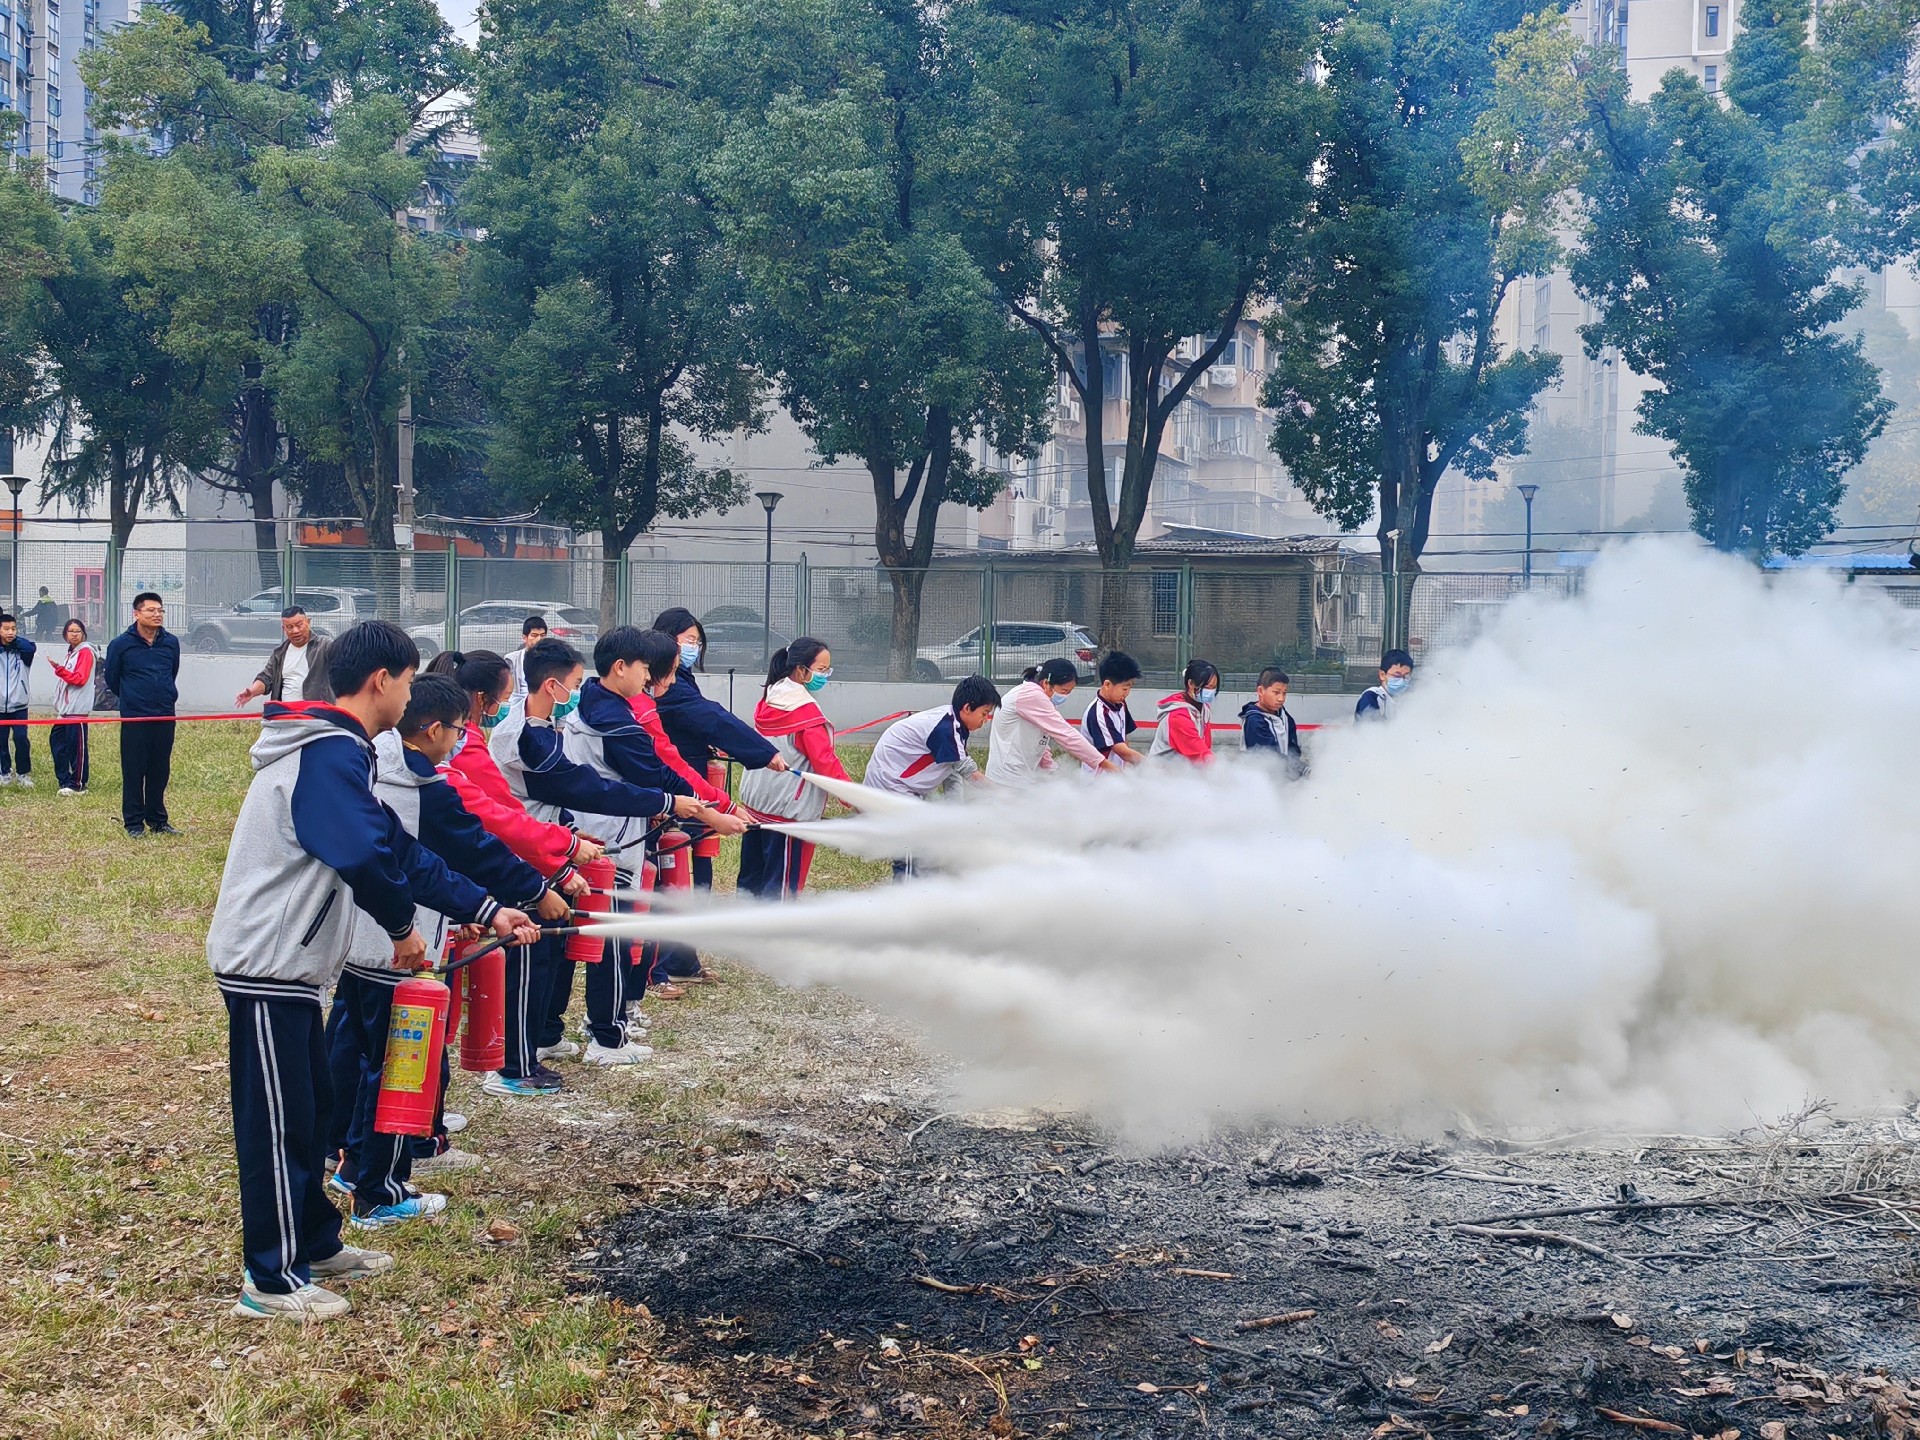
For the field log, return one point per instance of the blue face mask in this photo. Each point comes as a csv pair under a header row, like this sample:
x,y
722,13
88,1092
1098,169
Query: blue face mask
x,y
690,654
1059,701
566,707
494,716
1207,695
1397,684
458,745
818,681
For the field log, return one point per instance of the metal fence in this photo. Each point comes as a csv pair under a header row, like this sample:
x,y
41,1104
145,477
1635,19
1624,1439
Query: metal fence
x,y
1315,619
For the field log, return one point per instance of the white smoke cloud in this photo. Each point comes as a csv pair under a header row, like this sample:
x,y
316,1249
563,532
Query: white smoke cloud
x,y
1645,857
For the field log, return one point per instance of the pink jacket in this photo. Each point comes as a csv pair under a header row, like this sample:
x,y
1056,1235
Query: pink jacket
x,y
1018,748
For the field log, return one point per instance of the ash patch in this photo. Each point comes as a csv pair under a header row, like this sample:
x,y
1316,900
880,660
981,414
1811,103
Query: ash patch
x,y
1315,1285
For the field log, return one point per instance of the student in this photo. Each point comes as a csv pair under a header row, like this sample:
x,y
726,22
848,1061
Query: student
x,y
1108,721
72,702
1185,715
554,850
375,1168
533,630
310,845
1267,725
143,669
1020,746
607,736
1378,702
928,751
297,667
773,865
16,661
699,726
530,750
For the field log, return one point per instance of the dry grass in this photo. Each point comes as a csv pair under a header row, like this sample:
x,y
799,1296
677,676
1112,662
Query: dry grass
x,y
119,1235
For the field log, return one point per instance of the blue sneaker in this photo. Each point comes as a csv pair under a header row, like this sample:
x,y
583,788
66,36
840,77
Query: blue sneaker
x,y
337,1185
510,1088
414,1207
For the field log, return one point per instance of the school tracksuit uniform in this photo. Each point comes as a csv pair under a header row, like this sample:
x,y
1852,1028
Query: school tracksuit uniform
x,y
1025,728
775,865
1274,734
16,663
919,756
311,845
72,701
1107,726
696,728
1376,702
1183,732
647,711
556,787
376,1165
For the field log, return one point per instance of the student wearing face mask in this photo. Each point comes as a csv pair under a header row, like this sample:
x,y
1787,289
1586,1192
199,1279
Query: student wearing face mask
x,y
1186,714
1029,724
1378,701
775,865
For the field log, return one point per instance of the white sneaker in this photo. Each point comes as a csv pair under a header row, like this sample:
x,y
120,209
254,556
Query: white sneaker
x,y
351,1263
563,1050
25,782
446,1160
454,1123
68,790
627,1054
309,1302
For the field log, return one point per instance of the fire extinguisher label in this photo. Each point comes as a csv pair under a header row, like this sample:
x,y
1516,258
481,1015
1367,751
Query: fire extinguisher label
x,y
406,1067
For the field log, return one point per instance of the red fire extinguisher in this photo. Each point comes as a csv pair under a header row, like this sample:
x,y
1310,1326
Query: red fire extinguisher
x,y
483,1044
453,988
416,1037
708,845
676,861
593,905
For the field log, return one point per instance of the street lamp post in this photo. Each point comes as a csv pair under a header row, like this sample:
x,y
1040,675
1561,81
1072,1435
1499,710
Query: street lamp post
x,y
768,499
1390,636
15,483
1527,492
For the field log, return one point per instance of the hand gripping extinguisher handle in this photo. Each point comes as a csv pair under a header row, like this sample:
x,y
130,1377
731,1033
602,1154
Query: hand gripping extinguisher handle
x,y
651,834
499,942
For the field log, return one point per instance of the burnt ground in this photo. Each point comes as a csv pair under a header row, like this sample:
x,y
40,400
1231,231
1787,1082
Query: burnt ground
x,y
966,1276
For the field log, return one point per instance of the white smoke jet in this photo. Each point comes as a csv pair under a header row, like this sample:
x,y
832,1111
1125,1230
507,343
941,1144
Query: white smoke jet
x,y
1643,857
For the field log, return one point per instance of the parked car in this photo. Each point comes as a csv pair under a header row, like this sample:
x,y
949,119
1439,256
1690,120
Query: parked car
x,y
1016,645
254,623
737,645
495,625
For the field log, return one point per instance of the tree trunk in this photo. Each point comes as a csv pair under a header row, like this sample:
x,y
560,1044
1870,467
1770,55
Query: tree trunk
x,y
906,560
257,460
903,647
609,584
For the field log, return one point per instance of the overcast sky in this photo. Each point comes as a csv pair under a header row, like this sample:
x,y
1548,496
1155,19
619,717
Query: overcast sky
x,y
460,15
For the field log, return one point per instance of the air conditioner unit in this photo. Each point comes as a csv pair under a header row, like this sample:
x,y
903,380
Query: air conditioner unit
x,y
837,587
1188,349
1223,376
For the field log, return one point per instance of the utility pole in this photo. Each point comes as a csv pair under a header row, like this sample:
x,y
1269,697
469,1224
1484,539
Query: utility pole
x,y
768,499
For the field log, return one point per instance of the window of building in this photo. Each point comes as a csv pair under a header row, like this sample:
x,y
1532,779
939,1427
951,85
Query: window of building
x,y
1713,79
1166,602
1713,21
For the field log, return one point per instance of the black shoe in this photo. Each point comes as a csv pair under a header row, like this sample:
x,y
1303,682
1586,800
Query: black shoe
x,y
166,830
134,832
546,1078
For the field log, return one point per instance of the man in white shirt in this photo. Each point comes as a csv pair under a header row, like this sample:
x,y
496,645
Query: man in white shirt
x,y
297,668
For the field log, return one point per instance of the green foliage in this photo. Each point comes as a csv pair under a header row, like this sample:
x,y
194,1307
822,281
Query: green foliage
x,y
1389,374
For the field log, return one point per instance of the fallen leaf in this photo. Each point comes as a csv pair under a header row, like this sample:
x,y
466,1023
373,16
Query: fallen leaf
x,y
503,1232
1387,1329
1623,1320
1774,1430
1147,1387
1442,1343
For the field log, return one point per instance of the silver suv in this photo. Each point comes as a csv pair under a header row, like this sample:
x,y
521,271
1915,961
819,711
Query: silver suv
x,y
1016,645
254,623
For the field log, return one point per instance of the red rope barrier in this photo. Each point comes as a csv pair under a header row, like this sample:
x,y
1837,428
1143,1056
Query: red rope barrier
x,y
115,718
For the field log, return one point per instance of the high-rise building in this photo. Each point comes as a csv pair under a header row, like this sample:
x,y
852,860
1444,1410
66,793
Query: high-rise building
x,y
41,42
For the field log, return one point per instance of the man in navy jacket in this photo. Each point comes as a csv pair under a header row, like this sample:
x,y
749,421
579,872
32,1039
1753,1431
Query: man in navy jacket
x,y
143,666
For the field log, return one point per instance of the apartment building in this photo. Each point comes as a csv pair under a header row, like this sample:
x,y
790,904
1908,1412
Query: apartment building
x,y
41,42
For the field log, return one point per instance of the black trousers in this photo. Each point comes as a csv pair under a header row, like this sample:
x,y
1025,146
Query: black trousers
x,y
146,764
377,1165
277,1076
529,981
16,736
617,980
69,745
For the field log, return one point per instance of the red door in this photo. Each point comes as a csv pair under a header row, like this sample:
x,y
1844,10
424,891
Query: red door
x,y
90,598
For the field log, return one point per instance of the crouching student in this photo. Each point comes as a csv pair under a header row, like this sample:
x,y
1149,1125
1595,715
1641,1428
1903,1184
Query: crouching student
x,y
376,1168
927,752
1267,726
530,749
1108,721
552,849
774,865
607,736
310,845
1029,725
1186,716
1378,702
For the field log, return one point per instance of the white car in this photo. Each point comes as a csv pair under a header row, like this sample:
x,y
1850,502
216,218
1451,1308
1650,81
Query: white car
x,y
495,625
1016,645
254,623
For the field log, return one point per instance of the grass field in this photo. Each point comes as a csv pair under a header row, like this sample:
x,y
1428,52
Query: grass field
x,y
119,1230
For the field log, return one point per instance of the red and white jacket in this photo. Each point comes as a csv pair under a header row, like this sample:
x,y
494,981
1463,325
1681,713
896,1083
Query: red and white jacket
x,y
477,780
74,694
1183,730
787,716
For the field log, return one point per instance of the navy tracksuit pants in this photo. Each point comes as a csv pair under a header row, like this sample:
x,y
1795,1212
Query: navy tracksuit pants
x,y
376,1165
277,1073
617,980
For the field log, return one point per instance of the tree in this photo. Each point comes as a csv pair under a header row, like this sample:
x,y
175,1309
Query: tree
x,y
1149,161
885,338
1719,232
1390,374
29,254
1886,487
616,305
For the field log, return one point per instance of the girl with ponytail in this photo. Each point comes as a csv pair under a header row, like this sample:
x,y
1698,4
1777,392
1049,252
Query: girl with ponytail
x,y
774,865
1029,724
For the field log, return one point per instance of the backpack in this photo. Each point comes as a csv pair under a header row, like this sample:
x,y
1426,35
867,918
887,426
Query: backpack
x,y
103,698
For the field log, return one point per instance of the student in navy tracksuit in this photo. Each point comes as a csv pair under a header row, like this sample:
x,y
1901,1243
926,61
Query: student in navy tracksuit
x,y
529,749
16,663
699,726
310,845
1377,702
1266,725
375,1168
